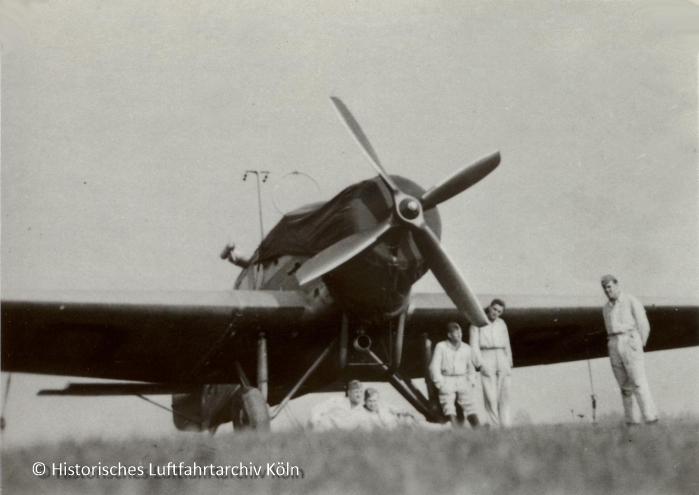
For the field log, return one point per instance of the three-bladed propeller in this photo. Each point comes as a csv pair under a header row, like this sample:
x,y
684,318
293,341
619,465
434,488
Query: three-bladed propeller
x,y
408,211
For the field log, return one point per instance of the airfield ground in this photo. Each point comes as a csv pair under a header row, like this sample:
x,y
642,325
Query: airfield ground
x,y
564,459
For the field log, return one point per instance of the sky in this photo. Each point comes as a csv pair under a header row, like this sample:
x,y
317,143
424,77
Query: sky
x,y
127,128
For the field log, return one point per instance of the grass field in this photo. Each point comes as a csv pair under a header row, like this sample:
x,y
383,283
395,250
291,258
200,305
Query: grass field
x,y
533,459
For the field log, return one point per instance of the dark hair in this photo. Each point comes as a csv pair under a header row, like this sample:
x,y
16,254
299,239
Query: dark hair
x,y
499,302
354,384
452,325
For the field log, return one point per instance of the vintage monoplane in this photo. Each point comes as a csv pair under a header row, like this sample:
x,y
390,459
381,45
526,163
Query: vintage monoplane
x,y
326,297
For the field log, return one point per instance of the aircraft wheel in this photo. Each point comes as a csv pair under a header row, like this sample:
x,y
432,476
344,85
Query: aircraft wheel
x,y
250,410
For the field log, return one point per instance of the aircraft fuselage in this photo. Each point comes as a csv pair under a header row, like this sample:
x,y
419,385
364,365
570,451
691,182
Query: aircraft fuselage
x,y
374,285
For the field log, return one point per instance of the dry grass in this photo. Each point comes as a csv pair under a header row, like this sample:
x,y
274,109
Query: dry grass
x,y
533,459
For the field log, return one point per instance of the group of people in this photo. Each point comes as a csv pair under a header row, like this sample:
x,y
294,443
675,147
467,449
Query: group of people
x,y
362,410
452,370
455,365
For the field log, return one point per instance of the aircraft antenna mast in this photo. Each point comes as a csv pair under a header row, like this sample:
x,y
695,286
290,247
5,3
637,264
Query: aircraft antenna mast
x,y
265,175
593,397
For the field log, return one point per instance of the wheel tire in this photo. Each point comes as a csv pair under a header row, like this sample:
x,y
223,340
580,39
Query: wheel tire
x,y
250,410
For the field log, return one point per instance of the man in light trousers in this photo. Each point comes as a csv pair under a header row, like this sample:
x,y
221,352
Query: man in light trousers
x,y
627,333
492,354
452,372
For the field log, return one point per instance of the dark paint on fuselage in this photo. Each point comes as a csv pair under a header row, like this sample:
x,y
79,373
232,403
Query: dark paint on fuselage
x,y
375,285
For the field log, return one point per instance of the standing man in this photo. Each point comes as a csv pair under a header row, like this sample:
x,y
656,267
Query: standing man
x,y
627,333
493,355
450,370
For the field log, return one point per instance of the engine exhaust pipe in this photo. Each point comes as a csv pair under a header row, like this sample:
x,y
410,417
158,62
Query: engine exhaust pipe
x,y
362,343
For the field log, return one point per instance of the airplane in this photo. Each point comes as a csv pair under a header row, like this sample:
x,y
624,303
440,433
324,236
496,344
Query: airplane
x,y
326,297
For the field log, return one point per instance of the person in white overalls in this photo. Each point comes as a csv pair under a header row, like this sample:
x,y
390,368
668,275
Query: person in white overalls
x,y
492,355
627,333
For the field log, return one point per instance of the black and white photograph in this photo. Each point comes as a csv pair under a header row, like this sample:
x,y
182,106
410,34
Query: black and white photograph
x,y
344,247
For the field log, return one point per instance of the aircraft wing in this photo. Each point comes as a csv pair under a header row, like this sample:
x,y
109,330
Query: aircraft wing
x,y
196,338
547,330
171,337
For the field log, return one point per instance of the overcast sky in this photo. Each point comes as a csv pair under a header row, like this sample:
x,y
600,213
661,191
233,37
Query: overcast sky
x,y
127,127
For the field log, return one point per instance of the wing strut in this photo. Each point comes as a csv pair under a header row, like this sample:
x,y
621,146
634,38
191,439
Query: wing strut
x,y
241,375
405,388
303,379
170,410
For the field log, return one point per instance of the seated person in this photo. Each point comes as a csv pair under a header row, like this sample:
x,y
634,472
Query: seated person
x,y
377,414
343,413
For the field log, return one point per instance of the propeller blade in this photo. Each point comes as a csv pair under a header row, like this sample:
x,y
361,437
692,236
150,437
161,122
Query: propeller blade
x,y
460,181
335,255
363,142
448,275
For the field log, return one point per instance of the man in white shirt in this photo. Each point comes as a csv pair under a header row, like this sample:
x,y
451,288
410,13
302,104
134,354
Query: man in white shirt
x,y
343,413
451,370
627,333
380,415
492,354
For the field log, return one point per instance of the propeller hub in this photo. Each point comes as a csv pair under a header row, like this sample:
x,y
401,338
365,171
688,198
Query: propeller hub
x,y
409,208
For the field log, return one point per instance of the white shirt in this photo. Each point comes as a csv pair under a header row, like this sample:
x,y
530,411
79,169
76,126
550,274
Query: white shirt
x,y
492,336
448,360
335,413
626,314
386,417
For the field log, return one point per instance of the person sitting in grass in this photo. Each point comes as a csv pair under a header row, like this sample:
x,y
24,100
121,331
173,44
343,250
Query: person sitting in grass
x,y
339,413
378,414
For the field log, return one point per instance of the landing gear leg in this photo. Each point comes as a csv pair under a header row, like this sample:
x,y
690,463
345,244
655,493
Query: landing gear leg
x,y
398,341
344,342
427,359
262,373
249,410
404,387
